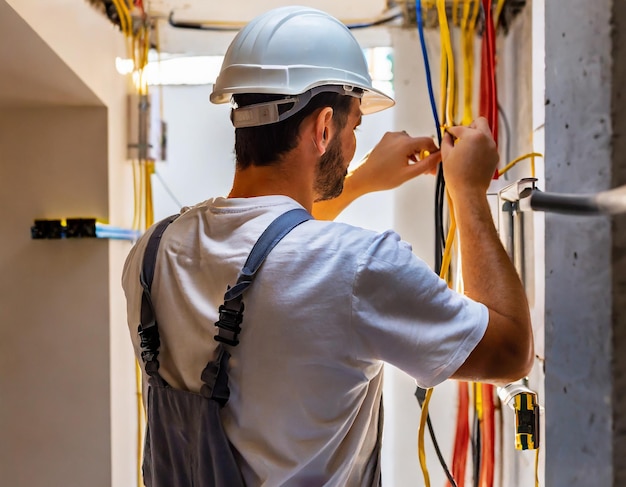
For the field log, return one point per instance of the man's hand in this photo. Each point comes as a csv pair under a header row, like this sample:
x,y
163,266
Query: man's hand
x,y
506,351
393,161
469,157
397,158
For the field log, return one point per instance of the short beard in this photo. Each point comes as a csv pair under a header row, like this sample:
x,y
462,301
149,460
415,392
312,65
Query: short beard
x,y
331,172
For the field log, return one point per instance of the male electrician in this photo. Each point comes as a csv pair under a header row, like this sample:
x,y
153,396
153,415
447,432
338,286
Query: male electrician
x,y
332,302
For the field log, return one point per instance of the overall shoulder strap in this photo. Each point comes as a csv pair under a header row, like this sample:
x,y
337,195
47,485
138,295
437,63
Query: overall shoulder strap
x,y
148,328
231,312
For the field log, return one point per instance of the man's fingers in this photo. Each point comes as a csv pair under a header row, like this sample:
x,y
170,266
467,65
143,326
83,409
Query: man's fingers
x,y
447,143
481,124
426,165
458,130
419,144
425,143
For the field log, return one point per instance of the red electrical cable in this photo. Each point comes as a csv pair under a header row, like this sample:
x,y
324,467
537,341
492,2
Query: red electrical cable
x,y
488,103
487,465
461,440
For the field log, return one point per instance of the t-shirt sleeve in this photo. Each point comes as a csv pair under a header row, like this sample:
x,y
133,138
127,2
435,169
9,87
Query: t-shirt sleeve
x,y
404,314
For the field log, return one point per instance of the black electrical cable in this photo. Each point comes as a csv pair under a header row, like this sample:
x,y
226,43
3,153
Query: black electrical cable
x,y
381,21
440,182
199,26
420,394
439,230
476,447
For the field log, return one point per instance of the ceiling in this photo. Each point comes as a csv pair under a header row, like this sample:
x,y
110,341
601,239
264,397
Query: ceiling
x,y
31,73
245,10
202,42
197,13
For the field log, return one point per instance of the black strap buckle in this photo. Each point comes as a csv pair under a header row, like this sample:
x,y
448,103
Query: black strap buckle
x,y
228,325
150,344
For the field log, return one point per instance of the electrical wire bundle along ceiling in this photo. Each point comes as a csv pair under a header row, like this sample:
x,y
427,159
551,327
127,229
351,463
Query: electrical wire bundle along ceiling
x,y
186,15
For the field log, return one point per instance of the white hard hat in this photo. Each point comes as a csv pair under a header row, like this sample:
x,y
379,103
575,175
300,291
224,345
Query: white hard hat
x,y
289,51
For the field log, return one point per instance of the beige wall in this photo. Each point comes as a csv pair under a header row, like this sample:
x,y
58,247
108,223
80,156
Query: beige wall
x,y
67,410
54,351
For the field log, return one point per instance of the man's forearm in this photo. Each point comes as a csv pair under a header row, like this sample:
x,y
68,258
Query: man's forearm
x,y
488,273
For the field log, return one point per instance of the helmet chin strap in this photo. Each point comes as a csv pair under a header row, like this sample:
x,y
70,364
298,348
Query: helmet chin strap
x,y
267,112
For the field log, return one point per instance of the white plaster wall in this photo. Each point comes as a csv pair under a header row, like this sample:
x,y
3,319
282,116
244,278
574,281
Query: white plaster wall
x,y
88,45
201,160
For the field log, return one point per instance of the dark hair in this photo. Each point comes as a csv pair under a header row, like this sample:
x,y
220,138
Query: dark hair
x,y
263,145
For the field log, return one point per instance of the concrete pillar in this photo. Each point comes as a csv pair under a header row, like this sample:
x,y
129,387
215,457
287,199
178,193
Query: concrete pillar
x,y
618,251
585,258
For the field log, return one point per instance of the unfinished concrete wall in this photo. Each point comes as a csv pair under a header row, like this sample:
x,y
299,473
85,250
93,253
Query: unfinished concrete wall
x,y
585,263
618,230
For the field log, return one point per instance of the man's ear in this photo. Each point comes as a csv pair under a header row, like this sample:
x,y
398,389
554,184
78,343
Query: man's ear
x,y
323,129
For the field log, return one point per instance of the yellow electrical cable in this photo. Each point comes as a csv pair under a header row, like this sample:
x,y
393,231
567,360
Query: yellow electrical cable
x,y
142,195
537,467
129,17
120,15
141,421
530,156
467,50
448,111
136,183
448,82
496,17
478,395
145,206
447,253
138,47
443,67
470,9
157,35
475,11
455,12
149,168
452,84
445,263
420,441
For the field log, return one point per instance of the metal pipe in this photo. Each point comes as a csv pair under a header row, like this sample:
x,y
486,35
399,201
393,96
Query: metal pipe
x,y
609,202
564,203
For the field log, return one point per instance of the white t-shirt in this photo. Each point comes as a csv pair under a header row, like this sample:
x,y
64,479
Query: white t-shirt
x,y
328,306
